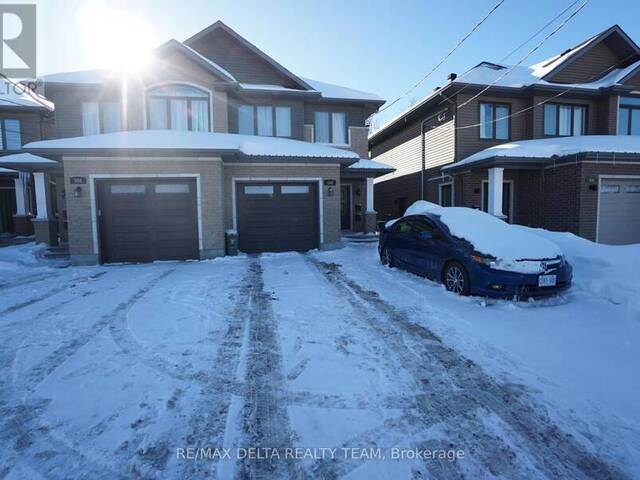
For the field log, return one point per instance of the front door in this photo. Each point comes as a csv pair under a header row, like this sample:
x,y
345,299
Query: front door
x,y
345,207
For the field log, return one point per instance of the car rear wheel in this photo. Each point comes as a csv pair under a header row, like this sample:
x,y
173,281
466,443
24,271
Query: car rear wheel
x,y
387,258
456,279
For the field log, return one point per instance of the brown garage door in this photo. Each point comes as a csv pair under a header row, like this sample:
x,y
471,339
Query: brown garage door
x,y
277,216
144,220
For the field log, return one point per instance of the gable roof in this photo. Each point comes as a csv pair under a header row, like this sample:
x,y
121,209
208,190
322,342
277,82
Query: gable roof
x,y
219,25
203,61
622,42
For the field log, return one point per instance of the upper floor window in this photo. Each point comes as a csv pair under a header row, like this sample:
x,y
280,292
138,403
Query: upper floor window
x,y
178,107
565,120
331,127
101,117
264,120
10,134
494,121
629,116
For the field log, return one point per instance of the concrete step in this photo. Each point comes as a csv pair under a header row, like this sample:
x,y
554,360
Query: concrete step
x,y
360,237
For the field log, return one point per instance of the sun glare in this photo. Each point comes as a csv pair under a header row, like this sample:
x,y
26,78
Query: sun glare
x,y
115,38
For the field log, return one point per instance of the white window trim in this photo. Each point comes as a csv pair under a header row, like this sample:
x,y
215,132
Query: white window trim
x,y
485,184
453,192
234,203
177,82
600,178
150,176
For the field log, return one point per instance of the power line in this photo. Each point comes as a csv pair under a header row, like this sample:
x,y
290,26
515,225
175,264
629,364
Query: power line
x,y
460,42
534,49
574,87
538,32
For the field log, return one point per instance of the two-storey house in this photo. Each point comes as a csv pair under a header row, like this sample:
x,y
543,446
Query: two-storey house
x,y
211,136
552,145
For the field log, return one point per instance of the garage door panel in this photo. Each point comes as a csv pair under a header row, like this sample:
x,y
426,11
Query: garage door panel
x,y
619,211
146,225
280,220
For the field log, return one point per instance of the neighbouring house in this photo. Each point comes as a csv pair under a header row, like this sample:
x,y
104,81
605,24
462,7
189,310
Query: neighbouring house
x,y
25,117
553,145
212,135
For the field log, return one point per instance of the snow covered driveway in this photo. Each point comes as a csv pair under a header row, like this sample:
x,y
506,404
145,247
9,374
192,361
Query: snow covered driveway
x,y
134,371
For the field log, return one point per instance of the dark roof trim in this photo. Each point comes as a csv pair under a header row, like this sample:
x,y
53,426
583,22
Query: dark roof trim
x,y
375,172
595,40
220,25
191,54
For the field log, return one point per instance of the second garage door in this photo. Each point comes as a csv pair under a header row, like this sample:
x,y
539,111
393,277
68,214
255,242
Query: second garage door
x,y
277,216
619,212
144,220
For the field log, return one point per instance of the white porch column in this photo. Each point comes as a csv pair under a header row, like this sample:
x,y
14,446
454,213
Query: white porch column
x,y
370,195
20,205
41,195
495,192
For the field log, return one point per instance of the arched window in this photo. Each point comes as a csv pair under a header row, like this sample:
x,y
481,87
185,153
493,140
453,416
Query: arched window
x,y
178,107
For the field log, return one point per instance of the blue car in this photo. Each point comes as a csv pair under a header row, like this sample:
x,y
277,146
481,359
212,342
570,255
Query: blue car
x,y
423,244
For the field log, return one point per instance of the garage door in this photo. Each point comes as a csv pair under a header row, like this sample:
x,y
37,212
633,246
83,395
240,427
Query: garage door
x,y
619,214
277,217
146,220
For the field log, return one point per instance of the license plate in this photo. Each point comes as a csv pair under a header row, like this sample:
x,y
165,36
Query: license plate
x,y
546,280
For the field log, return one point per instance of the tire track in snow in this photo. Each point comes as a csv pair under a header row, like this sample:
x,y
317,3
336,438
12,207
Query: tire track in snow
x,y
27,280
552,452
265,418
54,291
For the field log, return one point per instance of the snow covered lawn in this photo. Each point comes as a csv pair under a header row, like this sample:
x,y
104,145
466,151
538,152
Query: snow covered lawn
x,y
116,372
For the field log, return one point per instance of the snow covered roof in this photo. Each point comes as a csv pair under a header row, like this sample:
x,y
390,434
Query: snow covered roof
x,y
88,77
7,171
18,95
329,90
272,88
28,162
545,148
366,164
249,145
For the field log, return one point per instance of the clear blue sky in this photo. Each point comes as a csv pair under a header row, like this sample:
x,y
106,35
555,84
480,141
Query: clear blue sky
x,y
376,46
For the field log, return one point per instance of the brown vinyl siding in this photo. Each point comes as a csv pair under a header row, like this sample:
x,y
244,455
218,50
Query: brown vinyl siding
x,y
33,126
242,63
468,140
388,193
633,80
588,67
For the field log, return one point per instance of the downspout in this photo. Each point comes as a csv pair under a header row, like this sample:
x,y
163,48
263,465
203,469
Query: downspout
x,y
423,159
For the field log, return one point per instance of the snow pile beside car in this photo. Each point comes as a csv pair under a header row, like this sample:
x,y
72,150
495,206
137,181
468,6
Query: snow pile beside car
x,y
610,272
514,249
21,257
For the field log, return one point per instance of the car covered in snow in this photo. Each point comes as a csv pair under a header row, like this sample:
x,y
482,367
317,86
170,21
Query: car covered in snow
x,y
474,253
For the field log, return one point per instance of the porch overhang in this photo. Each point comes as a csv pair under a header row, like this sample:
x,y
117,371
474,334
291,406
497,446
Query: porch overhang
x,y
27,162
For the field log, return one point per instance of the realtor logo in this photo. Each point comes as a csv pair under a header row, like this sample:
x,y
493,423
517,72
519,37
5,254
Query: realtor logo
x,y
18,33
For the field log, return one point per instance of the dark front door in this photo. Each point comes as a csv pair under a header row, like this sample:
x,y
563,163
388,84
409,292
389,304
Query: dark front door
x,y
142,220
7,208
277,216
345,207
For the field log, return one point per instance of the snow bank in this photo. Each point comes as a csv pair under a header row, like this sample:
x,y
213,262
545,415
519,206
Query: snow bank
x,y
492,236
21,257
610,272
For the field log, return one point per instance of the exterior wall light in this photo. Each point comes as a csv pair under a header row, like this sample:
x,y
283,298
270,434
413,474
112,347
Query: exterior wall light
x,y
77,192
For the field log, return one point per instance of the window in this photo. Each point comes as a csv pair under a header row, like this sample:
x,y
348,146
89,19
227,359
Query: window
x,y
294,189
10,134
330,127
128,188
629,116
265,120
178,107
565,120
609,188
632,189
494,121
101,117
258,190
172,188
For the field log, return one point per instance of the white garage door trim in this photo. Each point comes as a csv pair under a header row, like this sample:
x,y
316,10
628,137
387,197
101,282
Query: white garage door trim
x,y
234,204
600,178
101,176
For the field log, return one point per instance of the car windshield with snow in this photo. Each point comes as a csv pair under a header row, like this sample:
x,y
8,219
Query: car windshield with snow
x,y
472,252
